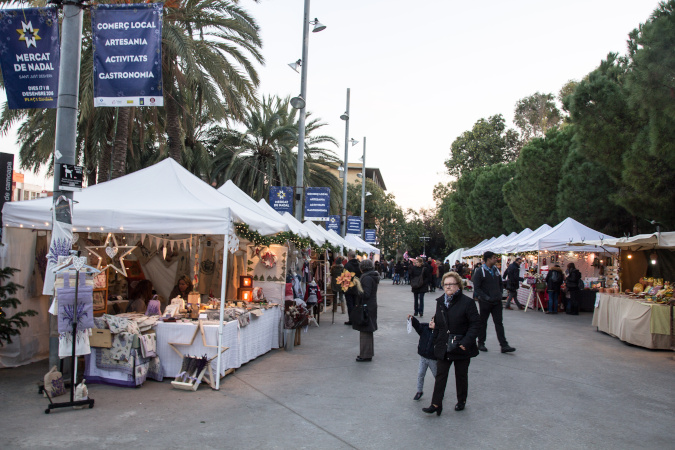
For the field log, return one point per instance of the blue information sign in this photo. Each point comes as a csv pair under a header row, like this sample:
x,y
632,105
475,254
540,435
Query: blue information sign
x,y
317,203
370,236
281,199
29,55
334,224
353,224
127,54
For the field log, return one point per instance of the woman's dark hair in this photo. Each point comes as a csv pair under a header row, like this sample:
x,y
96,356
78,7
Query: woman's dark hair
x,y
571,266
143,290
366,265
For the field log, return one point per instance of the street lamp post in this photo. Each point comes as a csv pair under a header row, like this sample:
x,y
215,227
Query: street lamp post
x,y
425,239
300,103
363,192
345,117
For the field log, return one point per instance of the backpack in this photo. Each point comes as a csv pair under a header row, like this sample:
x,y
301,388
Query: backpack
x,y
418,281
555,276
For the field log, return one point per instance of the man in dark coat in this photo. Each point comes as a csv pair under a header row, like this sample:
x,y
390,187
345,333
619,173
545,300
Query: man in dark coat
x,y
513,279
487,286
419,271
352,266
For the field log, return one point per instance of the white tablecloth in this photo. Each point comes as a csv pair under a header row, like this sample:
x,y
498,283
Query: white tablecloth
x,y
245,343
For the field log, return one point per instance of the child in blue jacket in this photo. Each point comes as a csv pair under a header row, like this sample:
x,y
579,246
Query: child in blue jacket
x,y
425,349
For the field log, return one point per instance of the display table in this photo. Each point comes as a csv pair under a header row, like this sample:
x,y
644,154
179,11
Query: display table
x,y
632,321
244,343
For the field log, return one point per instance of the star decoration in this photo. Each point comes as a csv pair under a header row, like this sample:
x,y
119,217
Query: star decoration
x,y
28,34
209,378
113,251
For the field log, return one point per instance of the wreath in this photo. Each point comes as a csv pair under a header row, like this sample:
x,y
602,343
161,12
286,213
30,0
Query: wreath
x,y
269,259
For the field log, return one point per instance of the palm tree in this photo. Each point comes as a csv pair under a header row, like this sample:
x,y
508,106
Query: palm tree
x,y
262,155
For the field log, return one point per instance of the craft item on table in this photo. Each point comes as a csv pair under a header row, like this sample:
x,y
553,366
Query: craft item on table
x,y
81,343
121,346
154,307
211,378
53,383
101,323
105,360
148,345
244,320
207,267
66,305
171,311
258,294
257,312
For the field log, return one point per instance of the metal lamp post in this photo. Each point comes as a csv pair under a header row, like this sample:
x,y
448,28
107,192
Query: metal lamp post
x,y
345,117
363,192
425,239
300,103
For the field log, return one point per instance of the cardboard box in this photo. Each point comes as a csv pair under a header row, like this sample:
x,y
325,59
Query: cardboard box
x,y
100,338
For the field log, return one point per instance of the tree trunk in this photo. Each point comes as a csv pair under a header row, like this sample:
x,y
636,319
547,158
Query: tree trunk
x,y
119,156
173,128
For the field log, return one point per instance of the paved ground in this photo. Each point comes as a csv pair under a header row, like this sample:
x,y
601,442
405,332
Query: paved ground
x,y
567,386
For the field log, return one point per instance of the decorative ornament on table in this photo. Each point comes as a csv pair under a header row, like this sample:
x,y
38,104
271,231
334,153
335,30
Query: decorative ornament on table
x,y
268,259
258,294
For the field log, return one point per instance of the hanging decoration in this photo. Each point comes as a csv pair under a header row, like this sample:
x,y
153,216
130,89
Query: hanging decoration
x,y
113,251
269,259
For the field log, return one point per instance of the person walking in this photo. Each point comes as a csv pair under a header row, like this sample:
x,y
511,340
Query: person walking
x,y
441,271
573,285
398,272
353,266
406,271
369,281
419,282
434,274
425,348
487,285
554,279
457,322
338,294
513,279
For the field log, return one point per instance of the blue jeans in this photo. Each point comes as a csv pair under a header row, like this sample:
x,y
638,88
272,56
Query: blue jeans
x,y
553,301
397,278
419,303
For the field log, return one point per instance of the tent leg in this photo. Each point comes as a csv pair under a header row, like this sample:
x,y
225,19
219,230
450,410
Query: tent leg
x,y
223,282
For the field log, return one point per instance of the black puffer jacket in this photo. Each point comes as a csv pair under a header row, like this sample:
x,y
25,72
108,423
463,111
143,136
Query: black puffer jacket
x,y
425,348
512,276
460,318
369,282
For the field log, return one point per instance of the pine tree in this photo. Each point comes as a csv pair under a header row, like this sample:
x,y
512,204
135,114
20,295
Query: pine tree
x,y
10,325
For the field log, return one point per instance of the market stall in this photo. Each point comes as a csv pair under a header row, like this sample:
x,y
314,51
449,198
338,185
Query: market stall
x,y
164,208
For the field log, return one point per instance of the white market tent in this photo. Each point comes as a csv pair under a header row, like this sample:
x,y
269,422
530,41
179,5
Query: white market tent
x,y
295,226
322,232
361,245
480,248
164,198
513,238
514,246
635,243
561,236
233,193
345,244
454,256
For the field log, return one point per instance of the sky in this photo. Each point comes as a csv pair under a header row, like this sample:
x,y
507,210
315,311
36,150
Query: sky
x,y
422,73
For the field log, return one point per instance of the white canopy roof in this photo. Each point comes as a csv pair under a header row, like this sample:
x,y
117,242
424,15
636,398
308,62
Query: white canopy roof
x,y
559,238
507,242
295,226
163,198
346,244
635,243
454,256
360,244
480,248
333,239
232,192
515,245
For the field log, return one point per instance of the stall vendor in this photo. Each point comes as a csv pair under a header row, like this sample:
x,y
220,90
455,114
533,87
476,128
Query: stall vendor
x,y
141,296
182,289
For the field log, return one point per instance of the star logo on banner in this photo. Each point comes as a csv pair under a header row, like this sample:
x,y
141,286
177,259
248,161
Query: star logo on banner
x,y
28,34
114,252
281,194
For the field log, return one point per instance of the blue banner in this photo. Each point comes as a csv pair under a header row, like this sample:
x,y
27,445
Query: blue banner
x,y
29,55
281,199
127,54
334,224
371,237
317,203
354,225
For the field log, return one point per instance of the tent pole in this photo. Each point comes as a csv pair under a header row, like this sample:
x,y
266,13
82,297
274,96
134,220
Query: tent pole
x,y
226,244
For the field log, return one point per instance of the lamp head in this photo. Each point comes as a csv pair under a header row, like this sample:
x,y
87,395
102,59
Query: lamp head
x,y
298,102
368,193
353,141
295,65
344,116
318,26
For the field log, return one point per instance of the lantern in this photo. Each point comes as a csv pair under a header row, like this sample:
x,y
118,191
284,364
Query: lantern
x,y
245,281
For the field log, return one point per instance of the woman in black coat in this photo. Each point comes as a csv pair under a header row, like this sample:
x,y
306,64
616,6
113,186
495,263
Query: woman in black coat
x,y
369,281
456,318
419,269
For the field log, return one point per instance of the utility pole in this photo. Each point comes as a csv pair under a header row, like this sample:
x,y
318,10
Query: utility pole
x,y
66,112
425,239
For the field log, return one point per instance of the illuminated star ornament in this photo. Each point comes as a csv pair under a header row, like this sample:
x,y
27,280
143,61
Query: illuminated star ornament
x,y
28,34
111,250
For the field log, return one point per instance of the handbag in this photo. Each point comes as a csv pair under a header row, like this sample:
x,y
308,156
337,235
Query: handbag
x,y
453,342
359,315
418,281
